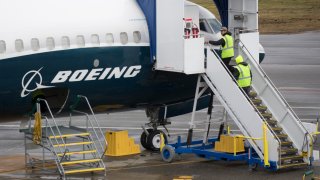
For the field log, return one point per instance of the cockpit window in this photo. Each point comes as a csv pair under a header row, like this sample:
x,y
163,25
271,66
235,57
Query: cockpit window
x,y
204,26
215,25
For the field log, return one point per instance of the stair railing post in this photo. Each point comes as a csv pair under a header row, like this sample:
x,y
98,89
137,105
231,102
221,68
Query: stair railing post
x,y
191,123
265,146
56,125
195,103
96,121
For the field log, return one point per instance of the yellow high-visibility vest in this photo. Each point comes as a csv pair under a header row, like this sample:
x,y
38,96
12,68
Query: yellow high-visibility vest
x,y
244,79
227,49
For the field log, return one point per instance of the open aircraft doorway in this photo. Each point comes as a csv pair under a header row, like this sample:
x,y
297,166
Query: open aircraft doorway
x,y
56,98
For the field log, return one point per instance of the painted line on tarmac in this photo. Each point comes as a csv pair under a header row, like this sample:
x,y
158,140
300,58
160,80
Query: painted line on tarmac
x,y
12,170
306,108
155,165
112,169
120,127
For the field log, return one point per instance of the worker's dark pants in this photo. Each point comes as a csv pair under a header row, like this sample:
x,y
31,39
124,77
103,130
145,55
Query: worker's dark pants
x,y
226,61
246,90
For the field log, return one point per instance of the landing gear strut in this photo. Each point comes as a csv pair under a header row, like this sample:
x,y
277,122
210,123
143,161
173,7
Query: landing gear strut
x,y
150,137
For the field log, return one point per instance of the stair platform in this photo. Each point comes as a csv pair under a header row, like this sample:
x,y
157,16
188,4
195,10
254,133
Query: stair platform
x,y
65,132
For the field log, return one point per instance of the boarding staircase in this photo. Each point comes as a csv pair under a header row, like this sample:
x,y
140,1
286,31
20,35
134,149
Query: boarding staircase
x,y
73,149
287,138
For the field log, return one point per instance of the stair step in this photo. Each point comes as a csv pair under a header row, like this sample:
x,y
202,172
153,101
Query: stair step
x,y
293,165
272,121
69,135
256,101
282,136
252,94
286,143
262,108
295,157
267,115
77,152
289,151
72,144
84,170
80,161
276,129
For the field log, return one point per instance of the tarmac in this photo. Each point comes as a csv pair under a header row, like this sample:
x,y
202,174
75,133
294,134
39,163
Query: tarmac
x,y
293,64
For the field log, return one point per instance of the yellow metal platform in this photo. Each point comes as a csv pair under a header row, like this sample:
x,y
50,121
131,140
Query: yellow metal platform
x,y
72,144
80,161
84,170
69,135
77,152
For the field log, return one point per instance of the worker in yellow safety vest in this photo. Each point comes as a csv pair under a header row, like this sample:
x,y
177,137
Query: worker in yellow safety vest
x,y
226,43
242,74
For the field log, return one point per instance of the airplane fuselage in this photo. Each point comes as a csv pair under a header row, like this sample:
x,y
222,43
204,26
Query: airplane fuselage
x,y
98,48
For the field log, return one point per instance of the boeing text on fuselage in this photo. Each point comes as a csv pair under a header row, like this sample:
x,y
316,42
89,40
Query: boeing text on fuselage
x,y
34,76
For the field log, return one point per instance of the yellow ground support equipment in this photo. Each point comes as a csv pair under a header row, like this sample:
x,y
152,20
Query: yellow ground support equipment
x,y
162,141
37,131
120,144
227,143
183,178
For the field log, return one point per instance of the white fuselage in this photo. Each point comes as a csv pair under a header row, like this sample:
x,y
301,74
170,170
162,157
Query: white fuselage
x,y
43,19
29,27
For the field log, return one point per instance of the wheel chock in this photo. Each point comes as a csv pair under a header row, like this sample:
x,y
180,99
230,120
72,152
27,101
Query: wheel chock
x,y
120,144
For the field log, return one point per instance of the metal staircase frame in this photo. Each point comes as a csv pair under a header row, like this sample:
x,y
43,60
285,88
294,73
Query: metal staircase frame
x,y
229,110
103,147
287,116
56,142
51,148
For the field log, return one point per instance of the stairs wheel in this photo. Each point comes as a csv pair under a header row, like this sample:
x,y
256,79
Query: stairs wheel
x,y
143,139
153,140
253,167
167,153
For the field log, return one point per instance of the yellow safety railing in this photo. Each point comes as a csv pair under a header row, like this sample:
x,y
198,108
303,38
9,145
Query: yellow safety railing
x,y
314,134
265,143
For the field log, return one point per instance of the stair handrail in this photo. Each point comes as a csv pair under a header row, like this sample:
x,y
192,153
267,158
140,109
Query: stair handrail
x,y
96,121
268,80
60,168
252,104
47,123
79,97
242,47
94,131
56,125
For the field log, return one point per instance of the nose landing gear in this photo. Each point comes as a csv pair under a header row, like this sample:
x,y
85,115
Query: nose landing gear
x,y
150,139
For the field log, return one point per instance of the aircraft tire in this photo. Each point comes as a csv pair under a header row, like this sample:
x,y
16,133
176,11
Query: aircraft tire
x,y
143,139
153,140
